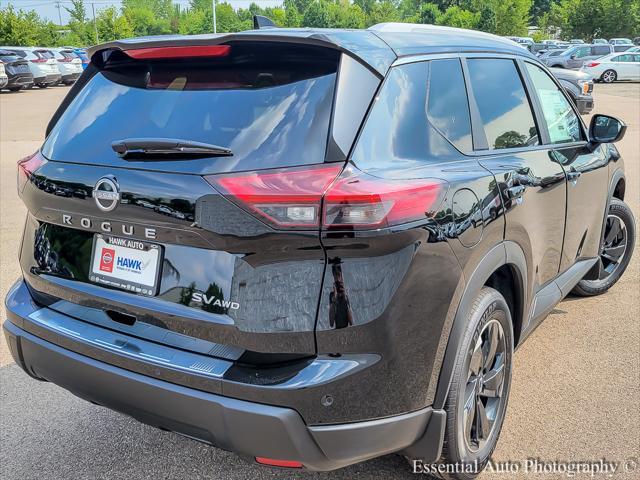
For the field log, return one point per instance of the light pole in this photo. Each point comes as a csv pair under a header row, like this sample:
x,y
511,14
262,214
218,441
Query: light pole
x,y
215,29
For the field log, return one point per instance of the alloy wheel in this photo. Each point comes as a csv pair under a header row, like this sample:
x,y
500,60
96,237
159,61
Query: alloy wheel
x,y
613,247
609,76
483,395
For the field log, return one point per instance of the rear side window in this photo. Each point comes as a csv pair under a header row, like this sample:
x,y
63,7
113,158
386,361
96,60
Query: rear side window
x,y
502,103
447,103
269,103
562,122
600,50
397,131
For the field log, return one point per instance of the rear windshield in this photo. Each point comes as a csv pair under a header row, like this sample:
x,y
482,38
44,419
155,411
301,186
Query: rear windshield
x,y
270,105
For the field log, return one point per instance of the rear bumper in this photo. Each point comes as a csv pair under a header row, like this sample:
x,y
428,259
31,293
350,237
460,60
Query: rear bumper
x,y
47,80
248,428
20,80
70,77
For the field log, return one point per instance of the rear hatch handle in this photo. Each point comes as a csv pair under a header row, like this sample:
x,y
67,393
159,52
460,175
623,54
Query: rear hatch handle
x,y
143,147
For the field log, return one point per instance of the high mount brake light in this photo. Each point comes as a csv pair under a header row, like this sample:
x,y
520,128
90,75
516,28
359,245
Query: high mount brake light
x,y
293,198
27,166
179,52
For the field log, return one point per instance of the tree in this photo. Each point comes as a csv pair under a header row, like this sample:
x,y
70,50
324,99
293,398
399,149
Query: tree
x,y
316,15
457,17
111,25
383,11
343,14
429,13
487,22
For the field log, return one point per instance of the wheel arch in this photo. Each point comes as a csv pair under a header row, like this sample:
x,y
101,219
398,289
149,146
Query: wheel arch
x,y
504,267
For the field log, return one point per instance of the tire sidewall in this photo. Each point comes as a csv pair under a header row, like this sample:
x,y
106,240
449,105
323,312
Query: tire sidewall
x,y
491,306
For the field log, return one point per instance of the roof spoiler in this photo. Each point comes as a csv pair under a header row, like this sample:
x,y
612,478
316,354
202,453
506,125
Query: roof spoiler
x,y
260,21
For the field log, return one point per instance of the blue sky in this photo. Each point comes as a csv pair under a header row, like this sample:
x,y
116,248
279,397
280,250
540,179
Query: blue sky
x,y
47,8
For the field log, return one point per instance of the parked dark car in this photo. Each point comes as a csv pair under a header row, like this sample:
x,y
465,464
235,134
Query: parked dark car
x,y
622,48
575,56
312,247
17,71
579,86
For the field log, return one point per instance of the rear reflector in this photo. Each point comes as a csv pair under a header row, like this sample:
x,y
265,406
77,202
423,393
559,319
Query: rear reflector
x,y
278,463
306,198
179,52
27,166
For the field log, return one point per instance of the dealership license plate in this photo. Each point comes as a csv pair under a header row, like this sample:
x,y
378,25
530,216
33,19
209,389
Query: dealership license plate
x,y
126,263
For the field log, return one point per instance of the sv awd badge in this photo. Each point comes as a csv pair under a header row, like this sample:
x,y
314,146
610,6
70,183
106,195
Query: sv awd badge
x,y
106,193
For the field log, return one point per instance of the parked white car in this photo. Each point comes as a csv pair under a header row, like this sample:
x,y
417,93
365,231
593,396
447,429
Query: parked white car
x,y
69,64
4,80
617,66
42,64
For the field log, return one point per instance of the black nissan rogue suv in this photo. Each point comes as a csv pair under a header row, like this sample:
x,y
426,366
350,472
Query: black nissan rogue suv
x,y
312,247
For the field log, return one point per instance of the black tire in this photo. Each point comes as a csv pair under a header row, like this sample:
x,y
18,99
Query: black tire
x,y
15,89
489,307
609,76
610,270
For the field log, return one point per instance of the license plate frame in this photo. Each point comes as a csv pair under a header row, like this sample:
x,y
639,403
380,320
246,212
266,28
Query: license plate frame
x,y
130,274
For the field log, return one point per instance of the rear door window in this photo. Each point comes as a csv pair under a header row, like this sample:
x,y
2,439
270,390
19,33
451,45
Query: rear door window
x,y
270,105
502,103
600,50
447,103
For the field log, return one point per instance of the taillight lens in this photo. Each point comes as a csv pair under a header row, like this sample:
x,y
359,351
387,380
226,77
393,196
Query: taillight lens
x,y
593,64
285,198
294,198
39,60
27,167
362,202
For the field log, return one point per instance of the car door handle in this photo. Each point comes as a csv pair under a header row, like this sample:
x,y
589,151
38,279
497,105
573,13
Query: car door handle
x,y
573,177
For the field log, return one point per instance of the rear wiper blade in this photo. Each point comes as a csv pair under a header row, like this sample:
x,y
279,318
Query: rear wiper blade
x,y
146,147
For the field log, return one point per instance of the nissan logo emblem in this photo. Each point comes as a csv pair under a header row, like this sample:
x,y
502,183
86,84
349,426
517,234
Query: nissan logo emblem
x,y
106,193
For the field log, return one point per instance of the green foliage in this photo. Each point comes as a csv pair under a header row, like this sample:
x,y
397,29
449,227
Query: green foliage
x,y
429,13
567,18
316,15
457,17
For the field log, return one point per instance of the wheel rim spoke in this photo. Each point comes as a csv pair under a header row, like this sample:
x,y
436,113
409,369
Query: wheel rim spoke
x,y
614,246
489,351
482,424
614,230
469,407
492,386
476,359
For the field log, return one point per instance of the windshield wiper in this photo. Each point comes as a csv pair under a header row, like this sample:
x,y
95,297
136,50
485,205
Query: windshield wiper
x,y
161,147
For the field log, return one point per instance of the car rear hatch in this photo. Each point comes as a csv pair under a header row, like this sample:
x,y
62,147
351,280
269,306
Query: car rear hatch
x,y
13,64
179,190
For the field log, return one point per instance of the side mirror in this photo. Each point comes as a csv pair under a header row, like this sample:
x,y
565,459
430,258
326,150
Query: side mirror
x,y
606,129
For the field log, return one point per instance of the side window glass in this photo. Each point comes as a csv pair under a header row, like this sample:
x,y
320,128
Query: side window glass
x,y
562,122
447,102
503,103
397,131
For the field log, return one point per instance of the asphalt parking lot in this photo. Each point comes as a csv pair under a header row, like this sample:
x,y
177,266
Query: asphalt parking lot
x,y
575,394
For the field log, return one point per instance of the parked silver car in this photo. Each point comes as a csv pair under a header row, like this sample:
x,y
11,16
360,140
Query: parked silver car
x,y
575,57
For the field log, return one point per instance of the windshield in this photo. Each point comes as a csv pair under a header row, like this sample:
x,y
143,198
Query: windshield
x,y
270,114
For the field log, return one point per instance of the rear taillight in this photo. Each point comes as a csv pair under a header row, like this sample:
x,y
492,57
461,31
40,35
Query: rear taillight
x,y
285,198
360,201
27,167
310,197
593,64
179,52
39,60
